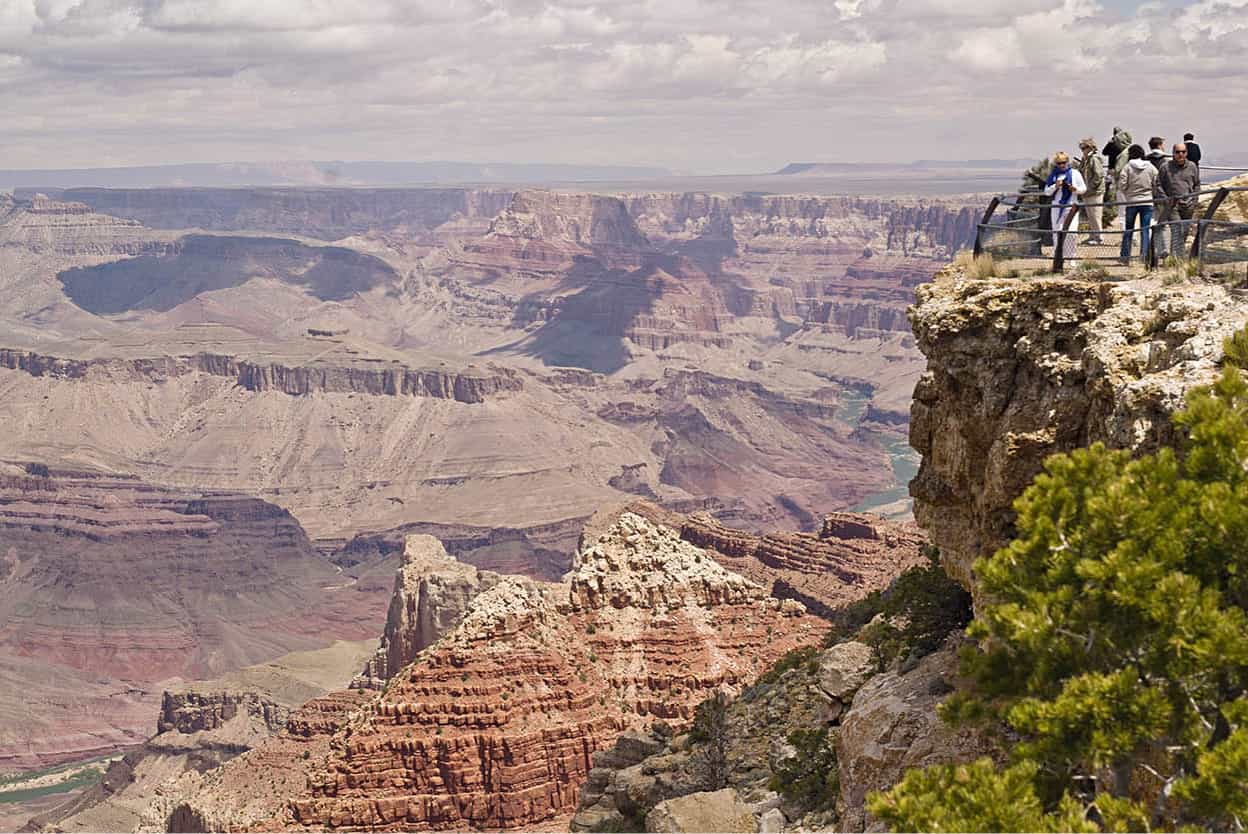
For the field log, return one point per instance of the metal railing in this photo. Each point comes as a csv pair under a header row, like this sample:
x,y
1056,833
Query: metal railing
x,y
1026,231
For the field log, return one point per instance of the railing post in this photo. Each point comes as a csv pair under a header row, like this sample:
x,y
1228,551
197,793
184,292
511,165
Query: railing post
x,y
1058,251
1209,212
979,230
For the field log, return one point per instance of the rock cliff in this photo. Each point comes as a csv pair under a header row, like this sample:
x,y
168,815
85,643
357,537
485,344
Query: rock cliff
x,y
1020,369
470,385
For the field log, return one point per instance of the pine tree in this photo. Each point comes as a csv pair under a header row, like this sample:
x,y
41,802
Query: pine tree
x,y
1114,643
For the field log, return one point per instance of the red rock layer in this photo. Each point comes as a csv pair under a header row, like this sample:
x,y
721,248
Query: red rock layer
x,y
494,726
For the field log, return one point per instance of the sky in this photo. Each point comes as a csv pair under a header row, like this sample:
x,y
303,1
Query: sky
x,y
698,86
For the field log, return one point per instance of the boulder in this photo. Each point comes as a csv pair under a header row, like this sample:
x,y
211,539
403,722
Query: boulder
x,y
845,667
891,727
705,811
771,822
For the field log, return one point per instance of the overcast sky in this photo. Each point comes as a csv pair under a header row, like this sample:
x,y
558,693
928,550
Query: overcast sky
x,y
696,85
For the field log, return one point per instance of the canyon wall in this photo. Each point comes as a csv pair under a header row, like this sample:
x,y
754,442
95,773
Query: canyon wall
x,y
121,583
328,213
466,386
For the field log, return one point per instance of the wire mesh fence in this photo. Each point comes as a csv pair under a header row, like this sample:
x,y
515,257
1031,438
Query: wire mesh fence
x,y
1029,227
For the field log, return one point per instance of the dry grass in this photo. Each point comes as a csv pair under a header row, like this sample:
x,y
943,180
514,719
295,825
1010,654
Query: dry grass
x,y
983,266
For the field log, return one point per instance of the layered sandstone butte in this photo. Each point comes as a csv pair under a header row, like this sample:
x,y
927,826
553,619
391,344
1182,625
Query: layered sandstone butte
x,y
1018,370
494,725
124,583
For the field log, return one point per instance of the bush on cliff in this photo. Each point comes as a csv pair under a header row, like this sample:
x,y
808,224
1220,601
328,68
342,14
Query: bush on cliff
x,y
1114,643
809,778
915,614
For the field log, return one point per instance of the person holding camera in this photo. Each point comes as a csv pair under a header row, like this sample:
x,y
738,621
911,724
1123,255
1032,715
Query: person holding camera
x,y
1065,185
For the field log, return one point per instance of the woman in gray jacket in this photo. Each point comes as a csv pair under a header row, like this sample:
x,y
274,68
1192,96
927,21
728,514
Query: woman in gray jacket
x,y
1135,187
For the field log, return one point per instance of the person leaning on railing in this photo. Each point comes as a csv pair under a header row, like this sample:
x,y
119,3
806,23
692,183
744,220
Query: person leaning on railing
x,y
1135,187
1180,183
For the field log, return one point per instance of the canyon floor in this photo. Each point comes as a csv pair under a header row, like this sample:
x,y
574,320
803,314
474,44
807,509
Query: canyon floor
x,y
226,409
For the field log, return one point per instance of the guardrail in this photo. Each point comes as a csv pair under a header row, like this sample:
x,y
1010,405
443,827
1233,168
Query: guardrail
x,y
1026,231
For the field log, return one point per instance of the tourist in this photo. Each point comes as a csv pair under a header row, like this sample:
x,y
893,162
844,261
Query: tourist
x,y
1193,150
1157,151
1093,171
1157,156
1180,183
1135,188
1115,151
1065,185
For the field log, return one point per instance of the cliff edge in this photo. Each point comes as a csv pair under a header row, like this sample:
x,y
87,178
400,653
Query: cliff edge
x,y
1018,369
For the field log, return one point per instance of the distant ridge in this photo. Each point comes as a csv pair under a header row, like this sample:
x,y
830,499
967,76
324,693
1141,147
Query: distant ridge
x,y
318,173
842,168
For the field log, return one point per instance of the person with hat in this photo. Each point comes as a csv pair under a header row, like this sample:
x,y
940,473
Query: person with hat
x,y
1092,167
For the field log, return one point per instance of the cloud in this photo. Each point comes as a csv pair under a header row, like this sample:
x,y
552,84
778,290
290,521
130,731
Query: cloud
x,y
705,84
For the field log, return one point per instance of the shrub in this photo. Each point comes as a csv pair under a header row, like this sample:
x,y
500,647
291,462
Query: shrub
x,y
916,613
796,658
710,733
809,778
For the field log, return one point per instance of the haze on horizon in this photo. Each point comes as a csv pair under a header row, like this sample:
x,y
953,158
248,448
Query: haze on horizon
x,y
698,86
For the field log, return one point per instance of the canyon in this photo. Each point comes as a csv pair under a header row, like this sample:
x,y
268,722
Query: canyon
x,y
231,409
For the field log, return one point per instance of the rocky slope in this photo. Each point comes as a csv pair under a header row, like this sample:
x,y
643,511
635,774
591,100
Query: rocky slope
x,y
1018,370
851,555
494,724
123,583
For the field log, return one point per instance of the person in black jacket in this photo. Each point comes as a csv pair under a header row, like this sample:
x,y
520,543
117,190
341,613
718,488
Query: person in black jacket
x,y
1193,150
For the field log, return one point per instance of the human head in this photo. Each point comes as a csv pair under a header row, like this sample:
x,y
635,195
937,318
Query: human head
x,y
1060,159
1155,142
1088,144
1187,137
1135,152
1180,152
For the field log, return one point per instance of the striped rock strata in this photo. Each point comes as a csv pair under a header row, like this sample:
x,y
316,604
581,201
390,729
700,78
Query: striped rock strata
x,y
495,724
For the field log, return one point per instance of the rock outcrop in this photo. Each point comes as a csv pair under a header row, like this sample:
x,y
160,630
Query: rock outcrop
x,y
1018,370
432,593
892,726
851,556
720,810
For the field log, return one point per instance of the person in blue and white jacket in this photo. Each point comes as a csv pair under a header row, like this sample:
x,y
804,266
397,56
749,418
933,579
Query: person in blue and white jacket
x,y
1065,185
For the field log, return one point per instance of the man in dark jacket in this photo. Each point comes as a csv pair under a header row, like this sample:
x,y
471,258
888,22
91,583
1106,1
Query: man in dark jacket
x,y
1193,150
1179,182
